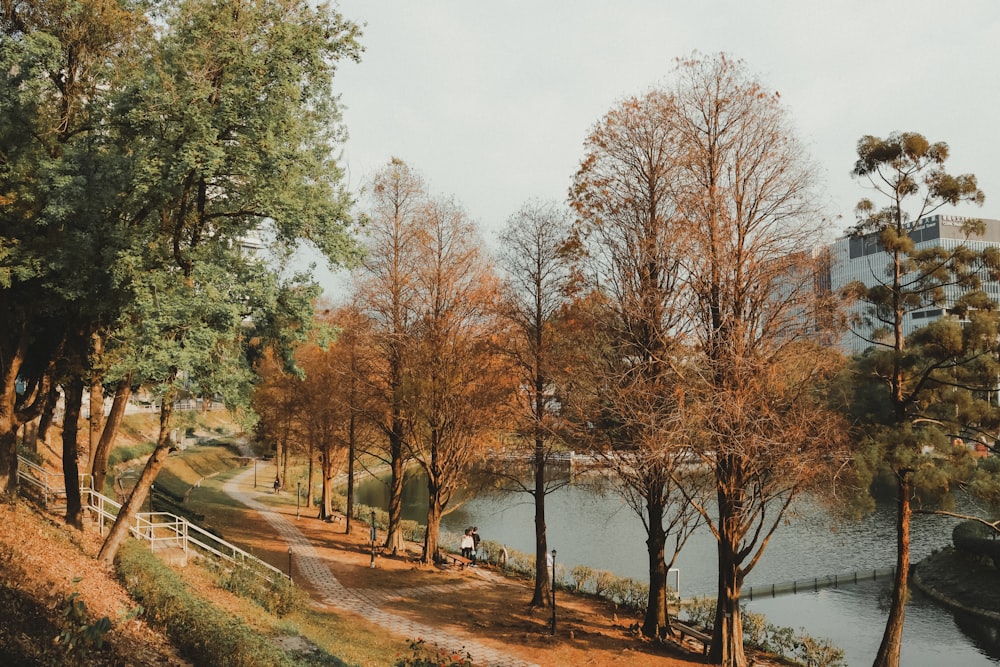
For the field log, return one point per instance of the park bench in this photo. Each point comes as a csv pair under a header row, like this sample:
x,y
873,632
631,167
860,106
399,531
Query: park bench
x,y
455,559
688,631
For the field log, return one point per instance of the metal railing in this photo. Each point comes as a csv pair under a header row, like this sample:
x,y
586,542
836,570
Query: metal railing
x,y
816,583
161,529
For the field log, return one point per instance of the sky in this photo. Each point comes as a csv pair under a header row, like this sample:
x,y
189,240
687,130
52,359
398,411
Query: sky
x,y
491,101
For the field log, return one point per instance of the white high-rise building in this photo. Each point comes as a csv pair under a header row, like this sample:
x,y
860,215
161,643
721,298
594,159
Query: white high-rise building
x,y
863,259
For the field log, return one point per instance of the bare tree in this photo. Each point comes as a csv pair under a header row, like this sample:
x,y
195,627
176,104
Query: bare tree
x,y
535,256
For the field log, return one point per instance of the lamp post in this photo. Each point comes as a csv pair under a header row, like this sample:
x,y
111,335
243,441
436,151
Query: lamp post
x,y
553,592
289,562
298,496
255,472
373,538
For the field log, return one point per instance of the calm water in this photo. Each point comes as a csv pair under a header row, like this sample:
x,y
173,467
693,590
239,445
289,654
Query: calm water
x,y
599,530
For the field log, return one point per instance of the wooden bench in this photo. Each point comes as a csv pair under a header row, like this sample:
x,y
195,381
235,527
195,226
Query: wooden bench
x,y
455,559
687,631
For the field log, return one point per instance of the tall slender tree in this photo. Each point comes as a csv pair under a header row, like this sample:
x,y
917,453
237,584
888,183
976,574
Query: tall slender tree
x,y
629,223
535,255
457,383
728,321
744,196
933,381
386,294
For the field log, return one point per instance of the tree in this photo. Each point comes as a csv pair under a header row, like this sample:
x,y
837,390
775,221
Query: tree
x,y
538,278
234,127
334,393
456,383
743,194
629,222
386,295
62,64
935,382
734,360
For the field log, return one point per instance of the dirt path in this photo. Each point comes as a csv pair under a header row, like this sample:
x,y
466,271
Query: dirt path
x,y
478,609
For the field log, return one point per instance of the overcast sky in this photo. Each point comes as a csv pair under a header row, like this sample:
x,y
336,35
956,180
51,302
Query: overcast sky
x,y
491,101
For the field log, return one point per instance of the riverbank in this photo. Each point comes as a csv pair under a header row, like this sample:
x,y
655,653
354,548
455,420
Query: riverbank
x,y
960,582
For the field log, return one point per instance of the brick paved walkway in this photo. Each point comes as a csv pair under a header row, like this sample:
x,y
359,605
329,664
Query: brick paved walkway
x,y
374,605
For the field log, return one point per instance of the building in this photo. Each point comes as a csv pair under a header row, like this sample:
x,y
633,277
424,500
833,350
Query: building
x,y
863,259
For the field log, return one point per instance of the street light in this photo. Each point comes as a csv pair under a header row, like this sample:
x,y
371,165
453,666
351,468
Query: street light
x,y
255,472
298,496
553,592
373,538
289,562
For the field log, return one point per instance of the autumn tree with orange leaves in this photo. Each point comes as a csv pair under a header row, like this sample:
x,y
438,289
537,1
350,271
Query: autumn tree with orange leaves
x,y
386,294
456,381
732,296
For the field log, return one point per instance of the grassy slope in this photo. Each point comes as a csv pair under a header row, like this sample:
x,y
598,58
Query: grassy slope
x,y
41,562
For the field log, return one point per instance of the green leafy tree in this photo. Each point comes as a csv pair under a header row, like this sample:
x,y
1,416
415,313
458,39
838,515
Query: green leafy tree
x,y
234,126
60,178
935,383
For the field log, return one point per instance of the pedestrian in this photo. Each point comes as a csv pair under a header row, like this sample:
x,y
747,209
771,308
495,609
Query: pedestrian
x,y
475,545
467,544
277,484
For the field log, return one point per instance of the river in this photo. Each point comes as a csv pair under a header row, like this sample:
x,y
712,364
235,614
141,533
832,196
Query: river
x,y
590,528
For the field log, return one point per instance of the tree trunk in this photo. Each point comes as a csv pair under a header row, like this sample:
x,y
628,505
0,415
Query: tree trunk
x,y
8,417
8,457
70,452
327,472
96,402
48,413
309,476
432,533
132,504
727,637
656,623
394,531
543,588
285,455
892,639
350,478
99,470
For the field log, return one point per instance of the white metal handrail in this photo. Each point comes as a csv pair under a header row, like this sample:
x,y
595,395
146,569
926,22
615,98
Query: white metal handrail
x,y
160,529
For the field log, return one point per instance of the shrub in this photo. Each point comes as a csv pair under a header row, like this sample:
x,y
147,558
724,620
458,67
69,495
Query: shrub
x,y
603,580
129,452
428,656
582,575
202,632
254,582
